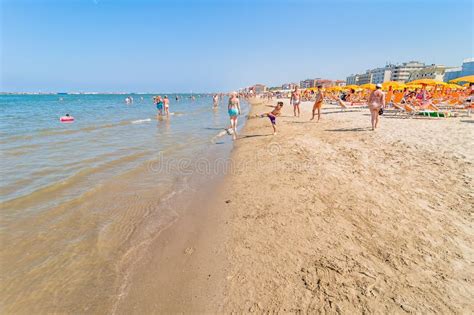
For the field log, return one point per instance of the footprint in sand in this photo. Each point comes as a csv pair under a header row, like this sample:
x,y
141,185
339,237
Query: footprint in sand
x,y
189,251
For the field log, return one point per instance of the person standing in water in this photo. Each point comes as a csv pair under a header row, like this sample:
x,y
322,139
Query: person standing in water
x,y
318,102
234,111
166,104
159,105
376,103
296,100
215,101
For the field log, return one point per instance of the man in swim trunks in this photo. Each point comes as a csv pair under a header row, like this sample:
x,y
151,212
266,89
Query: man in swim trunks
x,y
273,115
296,100
318,102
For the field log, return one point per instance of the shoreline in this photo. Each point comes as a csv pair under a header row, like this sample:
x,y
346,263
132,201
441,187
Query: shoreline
x,y
186,265
325,217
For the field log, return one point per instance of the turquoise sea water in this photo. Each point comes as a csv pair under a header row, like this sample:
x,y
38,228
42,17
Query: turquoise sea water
x,y
78,198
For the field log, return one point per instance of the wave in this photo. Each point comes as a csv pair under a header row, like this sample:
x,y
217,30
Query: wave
x,y
139,121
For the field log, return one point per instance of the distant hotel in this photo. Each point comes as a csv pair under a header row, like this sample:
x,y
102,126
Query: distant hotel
x,y
412,70
467,68
310,83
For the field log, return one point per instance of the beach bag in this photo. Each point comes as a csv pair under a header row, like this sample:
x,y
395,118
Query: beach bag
x,y
381,111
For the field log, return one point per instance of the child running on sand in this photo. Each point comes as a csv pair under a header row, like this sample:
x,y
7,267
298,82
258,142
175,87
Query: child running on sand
x,y
273,115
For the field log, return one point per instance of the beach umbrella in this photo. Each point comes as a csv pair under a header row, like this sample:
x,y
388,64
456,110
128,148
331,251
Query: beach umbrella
x,y
468,78
427,82
414,86
454,86
348,87
392,84
369,86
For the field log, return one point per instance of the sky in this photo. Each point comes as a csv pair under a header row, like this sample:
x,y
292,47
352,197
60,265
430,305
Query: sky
x,y
219,45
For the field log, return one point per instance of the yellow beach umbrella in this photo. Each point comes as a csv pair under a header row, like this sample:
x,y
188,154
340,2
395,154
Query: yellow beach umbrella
x,y
468,78
414,86
454,86
369,86
354,87
334,88
388,84
400,86
427,82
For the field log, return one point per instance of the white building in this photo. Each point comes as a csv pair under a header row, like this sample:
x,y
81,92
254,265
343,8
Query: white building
x,y
435,72
365,78
381,75
402,72
352,79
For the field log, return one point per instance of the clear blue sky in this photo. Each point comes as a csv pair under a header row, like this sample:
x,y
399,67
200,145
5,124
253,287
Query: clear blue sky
x,y
211,45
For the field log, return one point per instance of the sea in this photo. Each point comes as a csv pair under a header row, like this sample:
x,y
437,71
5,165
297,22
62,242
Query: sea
x,y
81,200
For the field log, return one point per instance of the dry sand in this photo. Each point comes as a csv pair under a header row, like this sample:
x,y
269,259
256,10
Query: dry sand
x,y
332,217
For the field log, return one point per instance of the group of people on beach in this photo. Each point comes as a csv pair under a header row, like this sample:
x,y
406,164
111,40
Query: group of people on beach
x,y
376,103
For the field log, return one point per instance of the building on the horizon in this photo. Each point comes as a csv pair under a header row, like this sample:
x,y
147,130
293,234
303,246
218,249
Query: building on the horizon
x,y
435,72
391,72
381,75
353,79
467,68
365,78
311,83
308,83
402,72
259,88
289,86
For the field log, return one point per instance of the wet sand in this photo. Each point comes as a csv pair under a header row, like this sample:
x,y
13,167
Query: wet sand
x,y
326,217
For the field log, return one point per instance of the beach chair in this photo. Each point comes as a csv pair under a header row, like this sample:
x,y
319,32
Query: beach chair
x,y
430,112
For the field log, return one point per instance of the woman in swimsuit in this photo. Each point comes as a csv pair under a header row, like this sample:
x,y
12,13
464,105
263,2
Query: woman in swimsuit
x,y
296,100
376,102
166,104
318,102
159,105
234,111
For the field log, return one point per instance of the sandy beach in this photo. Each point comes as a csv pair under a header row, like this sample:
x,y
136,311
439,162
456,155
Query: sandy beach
x,y
332,217
327,217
